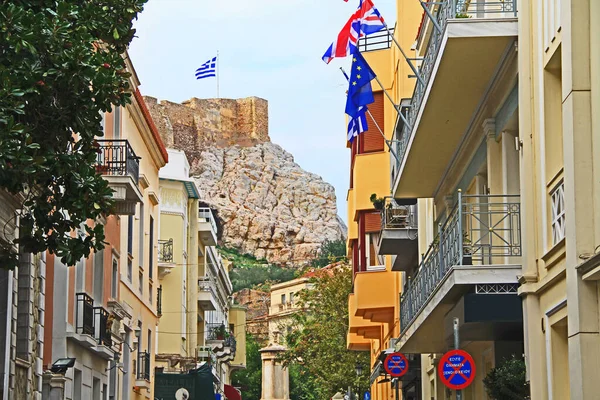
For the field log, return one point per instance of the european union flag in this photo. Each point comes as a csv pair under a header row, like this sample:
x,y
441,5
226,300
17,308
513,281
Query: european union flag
x,y
360,92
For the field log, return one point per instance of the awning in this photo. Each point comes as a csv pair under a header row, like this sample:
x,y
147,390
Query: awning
x,y
232,393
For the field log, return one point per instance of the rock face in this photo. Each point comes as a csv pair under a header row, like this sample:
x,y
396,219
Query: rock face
x,y
267,205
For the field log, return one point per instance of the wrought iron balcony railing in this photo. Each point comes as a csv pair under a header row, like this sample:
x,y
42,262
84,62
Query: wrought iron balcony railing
x,y
376,41
116,157
231,343
165,251
102,326
442,11
396,216
143,366
216,331
84,314
480,231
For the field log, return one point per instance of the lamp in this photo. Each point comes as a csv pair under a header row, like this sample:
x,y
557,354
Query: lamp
x,y
358,369
61,365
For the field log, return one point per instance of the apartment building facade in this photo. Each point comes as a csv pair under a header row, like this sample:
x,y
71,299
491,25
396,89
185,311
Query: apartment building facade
x,y
497,151
99,316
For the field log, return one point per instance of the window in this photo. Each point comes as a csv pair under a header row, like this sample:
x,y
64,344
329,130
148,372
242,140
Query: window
x,y
558,213
141,244
283,299
117,127
291,297
98,284
130,235
129,270
151,255
77,385
149,341
115,279
141,282
150,293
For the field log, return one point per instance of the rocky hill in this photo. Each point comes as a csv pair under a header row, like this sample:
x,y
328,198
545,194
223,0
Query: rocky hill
x,y
268,206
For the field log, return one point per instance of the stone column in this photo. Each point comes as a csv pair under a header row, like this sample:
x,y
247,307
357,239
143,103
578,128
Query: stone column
x,y
53,386
275,378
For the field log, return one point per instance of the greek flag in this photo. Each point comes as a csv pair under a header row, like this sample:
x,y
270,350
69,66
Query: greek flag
x,y
357,125
208,69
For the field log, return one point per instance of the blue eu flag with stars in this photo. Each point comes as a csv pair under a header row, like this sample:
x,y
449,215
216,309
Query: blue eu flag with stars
x,y
360,92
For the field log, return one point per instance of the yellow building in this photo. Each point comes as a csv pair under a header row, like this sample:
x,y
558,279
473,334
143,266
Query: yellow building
x,y
177,266
495,219
198,322
138,246
373,305
284,303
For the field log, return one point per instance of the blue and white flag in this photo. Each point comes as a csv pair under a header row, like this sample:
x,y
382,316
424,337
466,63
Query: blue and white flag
x,y
360,92
357,125
208,69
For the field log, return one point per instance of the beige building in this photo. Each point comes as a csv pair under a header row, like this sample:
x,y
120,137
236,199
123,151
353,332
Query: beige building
x,y
494,163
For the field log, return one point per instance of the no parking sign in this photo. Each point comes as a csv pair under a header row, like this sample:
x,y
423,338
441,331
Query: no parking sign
x,y
396,364
456,369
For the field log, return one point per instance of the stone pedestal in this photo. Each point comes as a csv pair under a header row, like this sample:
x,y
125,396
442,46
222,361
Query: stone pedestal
x,y
275,378
53,386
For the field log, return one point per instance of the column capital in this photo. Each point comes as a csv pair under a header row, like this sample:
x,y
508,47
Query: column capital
x,y
489,128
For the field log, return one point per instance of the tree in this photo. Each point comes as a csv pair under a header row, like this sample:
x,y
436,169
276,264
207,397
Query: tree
x,y
331,251
249,378
317,342
61,67
508,381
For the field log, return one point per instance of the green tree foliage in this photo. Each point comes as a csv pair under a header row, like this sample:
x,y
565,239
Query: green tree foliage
x,y
508,381
249,378
61,65
317,342
248,272
330,252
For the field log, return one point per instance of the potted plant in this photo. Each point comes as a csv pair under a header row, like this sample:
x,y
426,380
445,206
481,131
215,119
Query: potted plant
x,y
462,15
467,258
220,332
378,202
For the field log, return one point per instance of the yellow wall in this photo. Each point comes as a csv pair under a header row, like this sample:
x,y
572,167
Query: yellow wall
x,y
237,317
370,177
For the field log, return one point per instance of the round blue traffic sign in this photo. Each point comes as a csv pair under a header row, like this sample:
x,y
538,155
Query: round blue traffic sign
x,y
367,396
456,369
396,364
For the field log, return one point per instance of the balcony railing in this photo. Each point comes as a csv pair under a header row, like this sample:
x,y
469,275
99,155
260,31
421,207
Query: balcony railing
x,y
396,216
442,11
102,328
165,251
84,314
231,343
206,214
116,157
215,331
480,230
376,41
143,366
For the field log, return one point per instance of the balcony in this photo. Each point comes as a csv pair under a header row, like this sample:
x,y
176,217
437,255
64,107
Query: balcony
x,y
207,227
119,165
462,49
92,327
477,250
166,262
376,294
377,41
207,295
360,328
142,373
399,231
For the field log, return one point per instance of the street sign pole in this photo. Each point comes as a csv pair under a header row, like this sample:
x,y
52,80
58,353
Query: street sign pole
x,y
397,389
457,347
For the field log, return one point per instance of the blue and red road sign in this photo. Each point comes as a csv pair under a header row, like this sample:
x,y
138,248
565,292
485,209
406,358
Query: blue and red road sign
x,y
456,369
396,364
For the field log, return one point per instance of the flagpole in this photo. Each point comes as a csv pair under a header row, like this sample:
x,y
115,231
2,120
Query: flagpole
x,y
398,110
218,62
387,142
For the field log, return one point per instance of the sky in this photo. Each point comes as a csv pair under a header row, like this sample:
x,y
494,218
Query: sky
x,y
267,48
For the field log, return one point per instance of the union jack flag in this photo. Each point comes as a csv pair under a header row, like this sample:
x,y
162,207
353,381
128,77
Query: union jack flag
x,y
364,21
